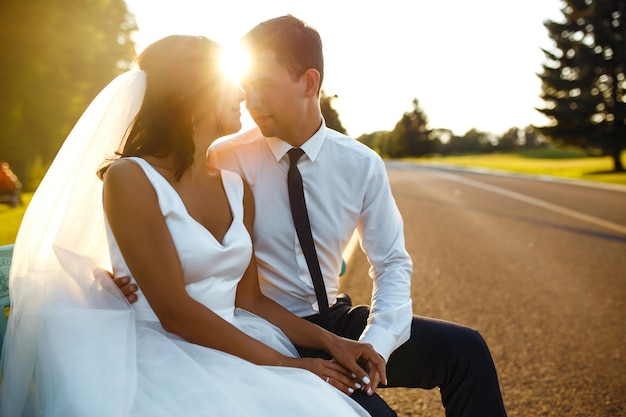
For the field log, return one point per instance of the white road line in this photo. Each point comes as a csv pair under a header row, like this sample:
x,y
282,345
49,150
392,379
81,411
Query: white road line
x,y
537,202
354,241
501,173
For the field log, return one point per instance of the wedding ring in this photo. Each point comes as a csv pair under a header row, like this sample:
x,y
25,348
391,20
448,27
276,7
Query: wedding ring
x,y
327,378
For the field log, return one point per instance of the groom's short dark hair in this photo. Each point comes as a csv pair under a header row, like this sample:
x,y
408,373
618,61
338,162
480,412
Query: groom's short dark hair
x,y
297,46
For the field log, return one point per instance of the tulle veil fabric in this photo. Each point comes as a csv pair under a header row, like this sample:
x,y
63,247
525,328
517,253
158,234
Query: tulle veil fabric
x,y
60,242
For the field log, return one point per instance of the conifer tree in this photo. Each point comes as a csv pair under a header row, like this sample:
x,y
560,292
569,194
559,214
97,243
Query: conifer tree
x,y
584,78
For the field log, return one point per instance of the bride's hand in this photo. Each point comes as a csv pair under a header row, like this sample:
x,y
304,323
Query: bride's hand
x,y
329,371
123,283
362,360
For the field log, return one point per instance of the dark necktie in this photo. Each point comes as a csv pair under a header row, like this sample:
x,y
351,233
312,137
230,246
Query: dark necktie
x,y
303,229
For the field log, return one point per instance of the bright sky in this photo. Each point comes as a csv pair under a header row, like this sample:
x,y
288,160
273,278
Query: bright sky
x,y
471,64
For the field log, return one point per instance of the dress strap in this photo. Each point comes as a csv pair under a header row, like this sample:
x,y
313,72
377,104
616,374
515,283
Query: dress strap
x,y
167,196
233,185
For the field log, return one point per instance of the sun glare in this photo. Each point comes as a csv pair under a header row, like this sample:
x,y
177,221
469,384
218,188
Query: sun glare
x,y
235,62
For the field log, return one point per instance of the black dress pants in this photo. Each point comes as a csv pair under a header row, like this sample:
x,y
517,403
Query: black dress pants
x,y
438,354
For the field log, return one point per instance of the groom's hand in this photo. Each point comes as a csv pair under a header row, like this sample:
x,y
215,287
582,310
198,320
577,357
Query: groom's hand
x,y
123,283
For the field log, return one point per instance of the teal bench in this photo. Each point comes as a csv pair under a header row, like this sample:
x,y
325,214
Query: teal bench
x,y
6,253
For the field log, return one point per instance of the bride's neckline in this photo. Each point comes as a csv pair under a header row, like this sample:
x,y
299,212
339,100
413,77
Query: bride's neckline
x,y
221,240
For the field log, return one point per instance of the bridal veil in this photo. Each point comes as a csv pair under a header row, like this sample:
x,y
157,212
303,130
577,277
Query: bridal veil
x,y
60,242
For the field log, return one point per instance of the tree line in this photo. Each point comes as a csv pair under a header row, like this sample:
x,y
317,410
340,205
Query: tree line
x,y
56,56
412,137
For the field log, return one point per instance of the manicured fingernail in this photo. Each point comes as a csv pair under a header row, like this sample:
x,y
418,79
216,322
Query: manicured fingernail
x,y
366,379
350,390
357,385
353,375
370,392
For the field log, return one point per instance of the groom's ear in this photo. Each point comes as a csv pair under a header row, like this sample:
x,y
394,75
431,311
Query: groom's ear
x,y
312,79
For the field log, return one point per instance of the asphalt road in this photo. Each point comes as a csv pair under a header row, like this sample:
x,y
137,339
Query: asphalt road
x,y
537,266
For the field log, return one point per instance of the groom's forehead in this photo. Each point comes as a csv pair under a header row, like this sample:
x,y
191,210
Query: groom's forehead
x,y
264,63
263,58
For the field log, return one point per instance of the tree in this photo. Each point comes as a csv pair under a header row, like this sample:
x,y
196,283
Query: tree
x,y
56,56
584,80
330,114
509,140
473,141
411,135
375,140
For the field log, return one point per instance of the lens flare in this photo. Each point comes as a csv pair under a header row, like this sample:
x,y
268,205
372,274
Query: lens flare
x,y
234,62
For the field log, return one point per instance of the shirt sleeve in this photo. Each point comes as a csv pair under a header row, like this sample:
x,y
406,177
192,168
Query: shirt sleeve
x,y
381,232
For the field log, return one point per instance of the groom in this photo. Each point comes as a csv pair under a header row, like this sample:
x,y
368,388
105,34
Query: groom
x,y
346,188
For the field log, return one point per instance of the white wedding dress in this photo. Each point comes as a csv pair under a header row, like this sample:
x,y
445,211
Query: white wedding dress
x,y
177,378
74,347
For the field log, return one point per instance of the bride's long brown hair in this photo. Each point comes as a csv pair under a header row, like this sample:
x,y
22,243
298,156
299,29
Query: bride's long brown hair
x,y
182,76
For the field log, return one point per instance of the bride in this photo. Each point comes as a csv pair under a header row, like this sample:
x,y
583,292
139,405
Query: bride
x,y
189,345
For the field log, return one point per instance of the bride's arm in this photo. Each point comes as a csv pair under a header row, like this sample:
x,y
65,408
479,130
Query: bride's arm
x,y
133,213
300,331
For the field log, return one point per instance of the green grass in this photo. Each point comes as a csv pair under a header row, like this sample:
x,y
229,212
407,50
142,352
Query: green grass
x,y
554,162
10,219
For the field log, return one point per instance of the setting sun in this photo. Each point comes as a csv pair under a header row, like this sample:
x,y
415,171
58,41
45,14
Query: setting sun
x,y
235,61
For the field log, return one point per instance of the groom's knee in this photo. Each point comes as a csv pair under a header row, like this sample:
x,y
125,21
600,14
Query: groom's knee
x,y
375,405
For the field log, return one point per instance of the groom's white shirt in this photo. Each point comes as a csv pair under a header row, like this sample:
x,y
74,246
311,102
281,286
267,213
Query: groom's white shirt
x,y
346,188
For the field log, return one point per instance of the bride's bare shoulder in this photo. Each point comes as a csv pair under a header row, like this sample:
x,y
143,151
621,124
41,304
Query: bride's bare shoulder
x,y
123,167
127,177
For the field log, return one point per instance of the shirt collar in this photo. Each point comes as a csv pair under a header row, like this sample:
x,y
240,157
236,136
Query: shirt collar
x,y
311,147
